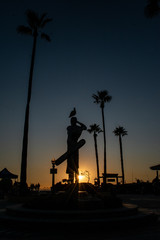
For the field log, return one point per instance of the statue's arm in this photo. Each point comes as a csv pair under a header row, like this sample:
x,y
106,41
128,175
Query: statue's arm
x,y
82,125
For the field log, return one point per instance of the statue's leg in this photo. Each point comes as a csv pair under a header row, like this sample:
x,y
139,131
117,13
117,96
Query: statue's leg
x,y
71,177
77,176
76,166
76,183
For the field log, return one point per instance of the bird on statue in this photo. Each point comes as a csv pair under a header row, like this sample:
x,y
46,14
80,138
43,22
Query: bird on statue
x,y
72,113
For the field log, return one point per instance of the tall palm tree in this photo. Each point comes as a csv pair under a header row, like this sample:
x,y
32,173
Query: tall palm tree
x,y
95,129
101,98
152,8
35,24
121,132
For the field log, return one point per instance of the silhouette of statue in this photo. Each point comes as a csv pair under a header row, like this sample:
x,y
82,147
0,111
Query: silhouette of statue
x,y
72,154
74,132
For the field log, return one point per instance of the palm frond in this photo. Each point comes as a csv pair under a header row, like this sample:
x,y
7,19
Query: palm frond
x,y
46,37
102,94
43,23
102,97
94,128
32,18
100,130
107,98
24,30
35,22
41,19
152,9
96,98
120,131
90,130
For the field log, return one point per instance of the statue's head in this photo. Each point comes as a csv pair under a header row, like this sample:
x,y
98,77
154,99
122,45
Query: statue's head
x,y
73,121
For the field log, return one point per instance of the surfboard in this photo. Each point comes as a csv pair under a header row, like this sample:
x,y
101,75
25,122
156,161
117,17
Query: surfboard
x,y
63,157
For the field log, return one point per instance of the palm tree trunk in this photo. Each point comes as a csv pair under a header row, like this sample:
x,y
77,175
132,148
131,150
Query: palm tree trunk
x,y
104,135
26,123
121,155
96,152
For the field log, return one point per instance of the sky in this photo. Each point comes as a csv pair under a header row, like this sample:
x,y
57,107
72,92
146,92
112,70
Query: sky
x,y
96,45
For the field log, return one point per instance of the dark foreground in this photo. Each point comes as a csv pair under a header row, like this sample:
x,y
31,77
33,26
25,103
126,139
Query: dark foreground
x,y
139,232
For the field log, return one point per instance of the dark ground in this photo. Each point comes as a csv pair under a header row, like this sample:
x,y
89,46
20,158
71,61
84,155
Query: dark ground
x,y
143,232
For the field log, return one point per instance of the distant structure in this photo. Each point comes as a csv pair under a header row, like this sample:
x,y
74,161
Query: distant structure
x,y
156,168
6,174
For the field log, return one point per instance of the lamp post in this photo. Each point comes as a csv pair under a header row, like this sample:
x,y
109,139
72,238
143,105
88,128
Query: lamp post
x,y
53,171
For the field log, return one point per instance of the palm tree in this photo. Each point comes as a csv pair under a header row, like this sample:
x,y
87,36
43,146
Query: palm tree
x,y
152,8
101,98
95,129
35,24
121,132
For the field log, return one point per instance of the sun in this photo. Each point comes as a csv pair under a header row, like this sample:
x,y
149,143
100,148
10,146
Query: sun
x,y
80,177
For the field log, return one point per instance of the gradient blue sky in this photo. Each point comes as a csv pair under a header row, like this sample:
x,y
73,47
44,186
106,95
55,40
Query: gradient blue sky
x,y
96,45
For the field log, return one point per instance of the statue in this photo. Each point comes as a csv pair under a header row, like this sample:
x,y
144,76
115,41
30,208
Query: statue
x,y
74,132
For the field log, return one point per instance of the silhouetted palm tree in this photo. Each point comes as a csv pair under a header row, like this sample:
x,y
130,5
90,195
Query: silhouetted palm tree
x,y
101,98
152,8
95,129
121,132
35,24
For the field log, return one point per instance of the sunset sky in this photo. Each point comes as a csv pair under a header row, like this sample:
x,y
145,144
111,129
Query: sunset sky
x,y
96,45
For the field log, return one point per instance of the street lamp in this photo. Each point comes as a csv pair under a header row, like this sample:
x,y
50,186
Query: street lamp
x,y
53,171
